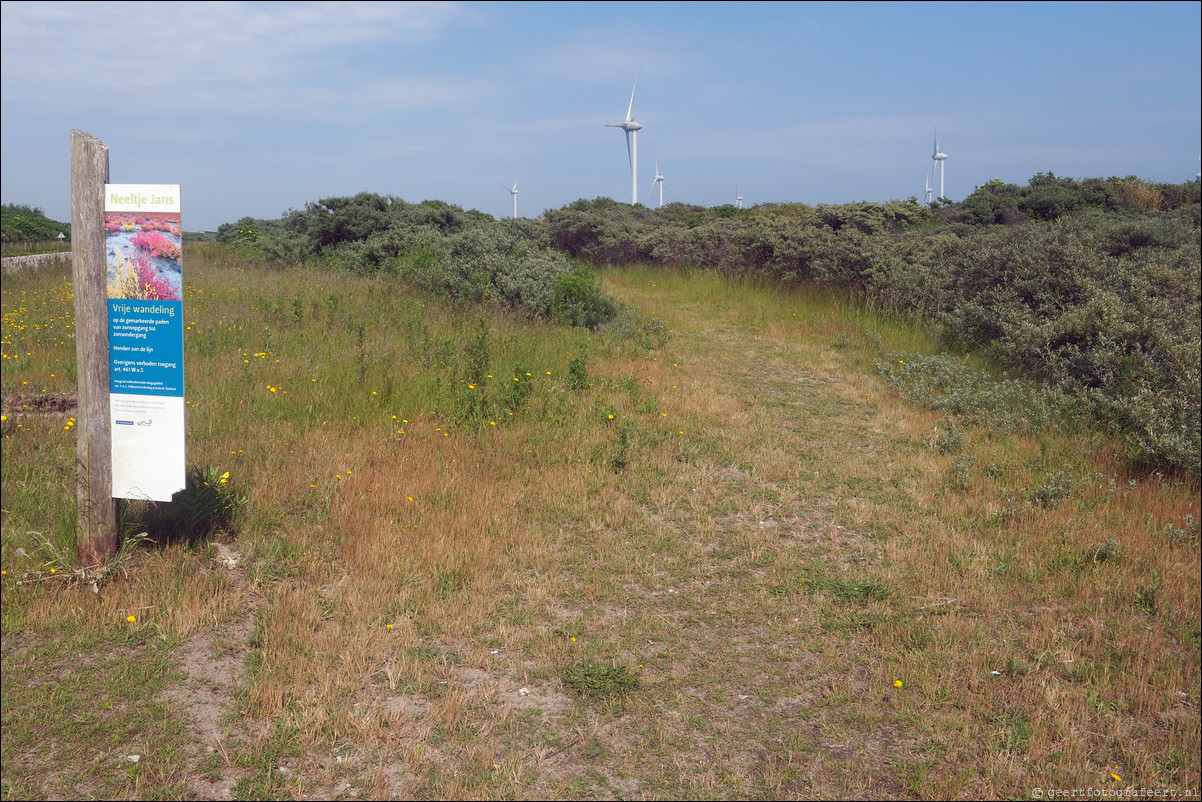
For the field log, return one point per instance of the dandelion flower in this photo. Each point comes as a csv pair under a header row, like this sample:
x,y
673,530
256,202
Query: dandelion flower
x,y
1115,777
132,619
897,683
573,639
389,626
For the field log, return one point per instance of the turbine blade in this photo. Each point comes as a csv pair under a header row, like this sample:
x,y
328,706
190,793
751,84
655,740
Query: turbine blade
x,y
630,109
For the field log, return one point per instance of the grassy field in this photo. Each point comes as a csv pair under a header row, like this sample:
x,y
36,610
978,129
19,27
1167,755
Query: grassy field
x,y
704,552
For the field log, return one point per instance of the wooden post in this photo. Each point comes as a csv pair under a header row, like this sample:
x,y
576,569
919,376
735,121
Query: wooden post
x,y
96,534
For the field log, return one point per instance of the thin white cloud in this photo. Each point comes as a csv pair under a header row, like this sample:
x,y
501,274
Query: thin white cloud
x,y
239,57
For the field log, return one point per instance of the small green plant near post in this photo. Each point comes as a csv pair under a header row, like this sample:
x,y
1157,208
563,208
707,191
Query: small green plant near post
x,y
206,504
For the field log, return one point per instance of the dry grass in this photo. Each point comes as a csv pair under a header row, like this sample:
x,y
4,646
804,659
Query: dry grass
x,y
763,538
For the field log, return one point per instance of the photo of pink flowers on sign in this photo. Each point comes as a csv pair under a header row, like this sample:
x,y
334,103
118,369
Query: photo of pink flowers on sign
x,y
144,256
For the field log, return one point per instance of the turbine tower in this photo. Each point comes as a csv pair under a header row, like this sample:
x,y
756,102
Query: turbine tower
x,y
632,144
513,190
738,197
939,157
659,179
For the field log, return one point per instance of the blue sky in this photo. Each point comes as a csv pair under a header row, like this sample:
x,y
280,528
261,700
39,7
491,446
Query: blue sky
x,y
256,108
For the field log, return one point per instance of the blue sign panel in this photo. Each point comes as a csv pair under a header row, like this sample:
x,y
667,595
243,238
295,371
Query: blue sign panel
x,y
146,347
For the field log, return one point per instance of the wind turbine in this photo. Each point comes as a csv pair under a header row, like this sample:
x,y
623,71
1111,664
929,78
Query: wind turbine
x,y
632,143
514,192
738,197
659,179
939,157
929,189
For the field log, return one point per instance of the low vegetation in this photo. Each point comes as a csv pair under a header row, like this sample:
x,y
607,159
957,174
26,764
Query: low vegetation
x,y
738,539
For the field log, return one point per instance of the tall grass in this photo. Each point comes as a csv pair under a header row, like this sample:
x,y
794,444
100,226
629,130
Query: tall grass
x,y
693,553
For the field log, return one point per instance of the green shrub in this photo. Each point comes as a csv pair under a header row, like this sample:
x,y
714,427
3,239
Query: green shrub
x,y
577,299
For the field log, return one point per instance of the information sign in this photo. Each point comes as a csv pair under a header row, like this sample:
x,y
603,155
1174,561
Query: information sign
x,y
144,257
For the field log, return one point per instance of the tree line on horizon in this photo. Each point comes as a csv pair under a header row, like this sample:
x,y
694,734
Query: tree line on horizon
x,y
20,223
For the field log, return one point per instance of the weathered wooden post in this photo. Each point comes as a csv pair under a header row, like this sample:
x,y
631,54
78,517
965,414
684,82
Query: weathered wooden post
x,y
97,515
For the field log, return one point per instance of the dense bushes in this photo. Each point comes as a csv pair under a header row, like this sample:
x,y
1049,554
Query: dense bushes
x,y
457,254
1090,287
20,223
1049,197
